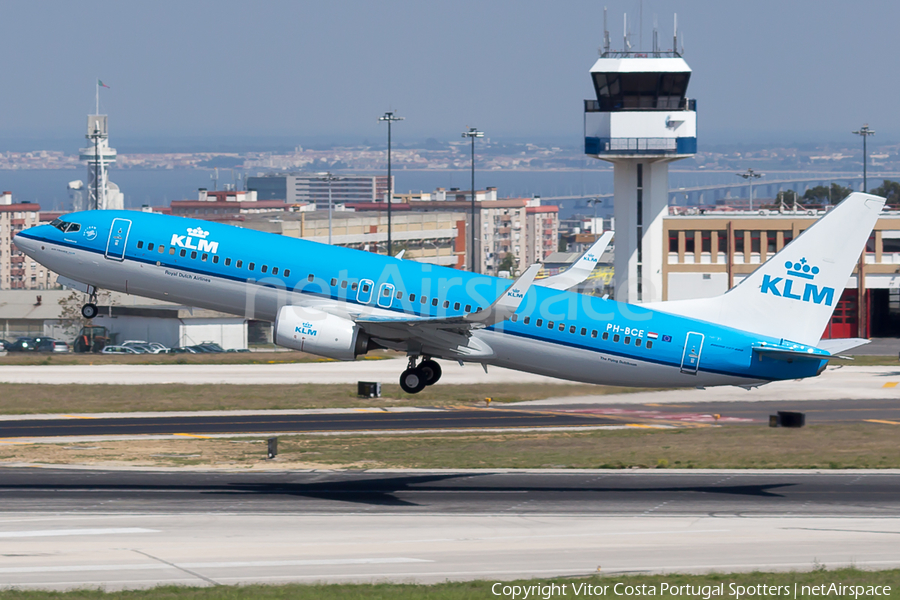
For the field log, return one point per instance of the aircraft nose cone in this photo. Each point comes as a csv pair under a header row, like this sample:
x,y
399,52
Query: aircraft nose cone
x,y
27,245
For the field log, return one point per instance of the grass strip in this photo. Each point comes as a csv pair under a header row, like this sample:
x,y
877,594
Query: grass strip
x,y
734,586
832,446
26,398
223,358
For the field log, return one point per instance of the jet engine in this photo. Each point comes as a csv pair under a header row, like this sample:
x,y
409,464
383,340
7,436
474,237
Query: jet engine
x,y
317,332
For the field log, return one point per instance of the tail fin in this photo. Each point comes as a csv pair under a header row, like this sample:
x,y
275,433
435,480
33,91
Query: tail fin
x,y
793,294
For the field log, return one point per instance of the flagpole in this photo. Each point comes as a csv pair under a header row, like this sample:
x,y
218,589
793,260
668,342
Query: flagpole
x,y
97,98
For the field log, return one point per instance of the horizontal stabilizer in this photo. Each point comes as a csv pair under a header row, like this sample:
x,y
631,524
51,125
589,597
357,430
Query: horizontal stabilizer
x,y
841,345
581,269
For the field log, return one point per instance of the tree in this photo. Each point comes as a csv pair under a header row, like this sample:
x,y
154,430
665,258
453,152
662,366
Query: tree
x,y
890,190
826,194
508,263
70,317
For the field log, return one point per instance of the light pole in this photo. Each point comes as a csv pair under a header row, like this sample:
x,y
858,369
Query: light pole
x,y
750,175
473,133
390,117
329,178
865,132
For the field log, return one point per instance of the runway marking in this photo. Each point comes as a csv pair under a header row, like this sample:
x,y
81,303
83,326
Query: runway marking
x,y
891,384
214,565
67,532
202,437
882,421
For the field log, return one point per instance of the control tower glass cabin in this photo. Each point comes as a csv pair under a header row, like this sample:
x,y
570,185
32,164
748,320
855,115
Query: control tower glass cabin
x,y
641,120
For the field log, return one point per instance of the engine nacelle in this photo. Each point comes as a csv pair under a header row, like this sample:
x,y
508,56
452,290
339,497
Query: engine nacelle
x,y
317,332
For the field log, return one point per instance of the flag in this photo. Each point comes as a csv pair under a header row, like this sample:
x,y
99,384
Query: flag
x,y
652,335
667,338
101,84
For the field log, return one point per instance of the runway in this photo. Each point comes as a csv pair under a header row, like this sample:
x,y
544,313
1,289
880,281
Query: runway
x,y
64,528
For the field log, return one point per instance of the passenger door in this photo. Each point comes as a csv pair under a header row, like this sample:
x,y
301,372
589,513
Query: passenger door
x,y
385,295
118,237
364,295
690,359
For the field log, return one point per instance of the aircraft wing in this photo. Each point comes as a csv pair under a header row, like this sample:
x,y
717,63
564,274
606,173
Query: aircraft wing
x,y
582,268
790,354
840,345
449,333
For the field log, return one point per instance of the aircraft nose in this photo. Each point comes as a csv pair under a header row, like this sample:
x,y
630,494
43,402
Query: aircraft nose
x,y
29,240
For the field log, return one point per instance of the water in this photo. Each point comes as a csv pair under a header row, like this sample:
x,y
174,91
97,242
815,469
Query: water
x,y
158,187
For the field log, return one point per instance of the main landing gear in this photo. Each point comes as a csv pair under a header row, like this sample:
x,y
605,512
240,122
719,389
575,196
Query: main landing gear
x,y
89,310
414,379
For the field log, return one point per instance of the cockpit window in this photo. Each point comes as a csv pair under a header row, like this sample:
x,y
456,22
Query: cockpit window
x,y
65,226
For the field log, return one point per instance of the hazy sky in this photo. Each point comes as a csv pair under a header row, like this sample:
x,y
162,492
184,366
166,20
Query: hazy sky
x,y
797,70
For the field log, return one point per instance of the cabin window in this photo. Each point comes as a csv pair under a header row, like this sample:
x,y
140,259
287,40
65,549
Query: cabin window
x,y
649,344
140,245
333,282
193,254
227,262
353,286
539,322
343,284
527,320
583,330
287,272
572,329
386,292
456,306
627,339
251,266
274,270
162,248
183,253
562,326
468,308
399,295
605,335
149,246
412,297
549,324
365,288
311,278
616,338
434,301
594,333
204,257
239,264
637,342
514,318
215,260
446,304
172,250
266,268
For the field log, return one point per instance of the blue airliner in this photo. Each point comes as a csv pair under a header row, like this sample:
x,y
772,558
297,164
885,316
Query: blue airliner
x,y
341,303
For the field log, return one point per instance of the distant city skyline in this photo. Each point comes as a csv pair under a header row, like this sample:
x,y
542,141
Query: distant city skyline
x,y
305,73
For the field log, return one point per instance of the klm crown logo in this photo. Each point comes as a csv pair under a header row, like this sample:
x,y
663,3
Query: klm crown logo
x,y
198,232
788,287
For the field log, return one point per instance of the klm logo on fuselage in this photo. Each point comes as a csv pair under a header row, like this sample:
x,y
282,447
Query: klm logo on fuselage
x,y
306,329
515,293
792,286
188,241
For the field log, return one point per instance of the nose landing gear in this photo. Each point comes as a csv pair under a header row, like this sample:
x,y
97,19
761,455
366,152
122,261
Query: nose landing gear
x,y
415,378
89,310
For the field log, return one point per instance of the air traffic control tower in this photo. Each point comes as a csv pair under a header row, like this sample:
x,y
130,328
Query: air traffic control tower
x,y
640,121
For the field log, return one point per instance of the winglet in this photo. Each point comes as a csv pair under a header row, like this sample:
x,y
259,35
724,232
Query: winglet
x,y
581,269
399,255
508,302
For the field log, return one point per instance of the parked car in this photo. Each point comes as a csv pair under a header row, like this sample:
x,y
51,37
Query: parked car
x,y
23,344
182,350
147,347
119,350
211,347
49,345
4,345
238,350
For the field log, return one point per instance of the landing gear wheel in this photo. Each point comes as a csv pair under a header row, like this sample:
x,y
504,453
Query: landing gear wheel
x,y
89,310
432,371
412,381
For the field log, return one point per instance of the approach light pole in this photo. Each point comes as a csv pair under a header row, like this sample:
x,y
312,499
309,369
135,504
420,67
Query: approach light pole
x,y
329,178
865,132
390,117
473,133
750,175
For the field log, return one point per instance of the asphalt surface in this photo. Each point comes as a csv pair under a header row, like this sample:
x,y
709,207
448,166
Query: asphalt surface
x,y
271,423
866,494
